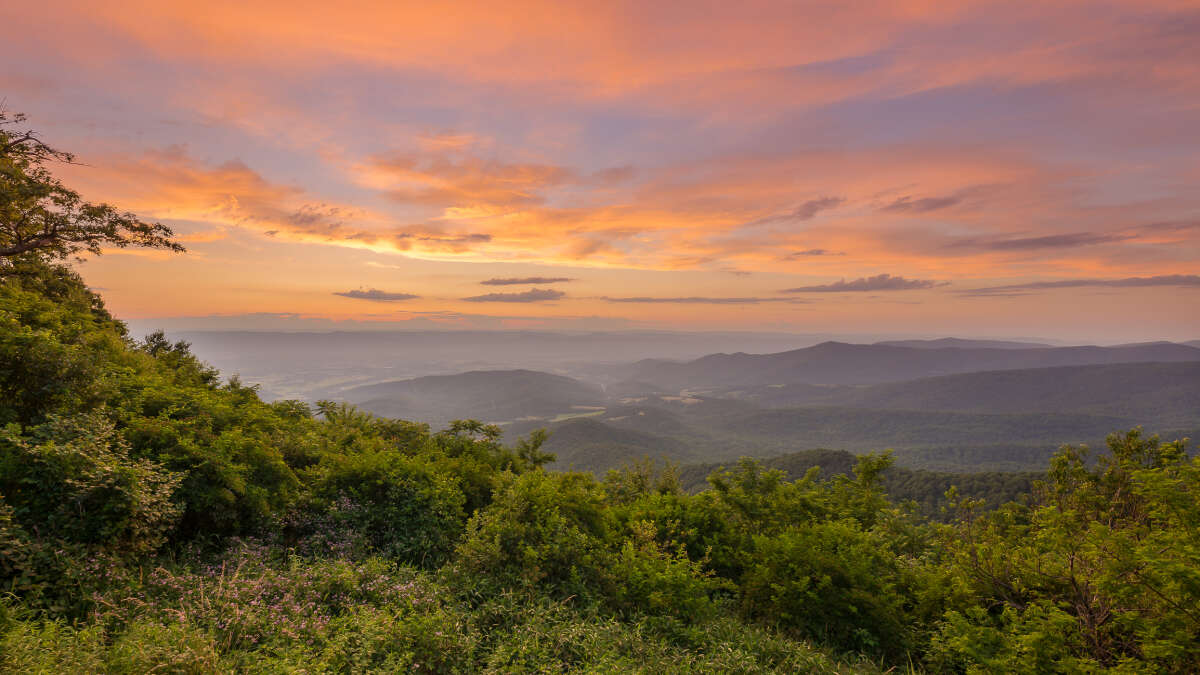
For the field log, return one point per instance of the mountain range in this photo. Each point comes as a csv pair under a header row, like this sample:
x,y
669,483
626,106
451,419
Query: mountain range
x,y
843,363
947,405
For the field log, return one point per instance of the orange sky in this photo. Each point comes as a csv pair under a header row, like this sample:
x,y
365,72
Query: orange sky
x,y
974,168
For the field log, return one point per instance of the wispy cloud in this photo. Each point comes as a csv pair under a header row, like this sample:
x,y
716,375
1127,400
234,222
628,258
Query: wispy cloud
x,y
923,205
699,300
454,180
882,282
810,253
377,295
1049,241
1176,280
532,295
806,211
521,281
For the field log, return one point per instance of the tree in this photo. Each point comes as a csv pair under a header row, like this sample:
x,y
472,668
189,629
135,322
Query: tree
x,y
43,219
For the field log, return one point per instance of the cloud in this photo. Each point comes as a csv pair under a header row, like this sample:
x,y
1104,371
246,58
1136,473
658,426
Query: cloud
x,y
925,205
377,295
447,141
450,243
809,209
882,282
521,281
810,253
1170,280
806,211
456,181
1049,241
696,300
532,295
487,158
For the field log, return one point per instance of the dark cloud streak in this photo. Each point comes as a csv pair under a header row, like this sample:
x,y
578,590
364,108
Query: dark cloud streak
x,y
809,253
520,281
925,205
376,295
882,282
806,211
1050,241
532,295
1173,280
698,300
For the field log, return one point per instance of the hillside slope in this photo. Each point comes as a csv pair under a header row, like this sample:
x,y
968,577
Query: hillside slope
x,y
715,430
1154,394
488,395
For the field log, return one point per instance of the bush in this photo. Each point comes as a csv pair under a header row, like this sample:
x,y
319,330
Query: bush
x,y
73,479
404,507
1103,569
831,582
543,533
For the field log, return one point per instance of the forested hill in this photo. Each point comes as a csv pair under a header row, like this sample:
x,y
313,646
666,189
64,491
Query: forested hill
x,y
842,363
927,489
494,395
1157,394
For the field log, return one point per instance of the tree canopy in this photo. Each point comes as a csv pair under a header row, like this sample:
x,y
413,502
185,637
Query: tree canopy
x,y
40,217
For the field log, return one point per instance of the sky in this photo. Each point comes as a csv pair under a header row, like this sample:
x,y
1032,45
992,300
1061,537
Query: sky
x,y
967,168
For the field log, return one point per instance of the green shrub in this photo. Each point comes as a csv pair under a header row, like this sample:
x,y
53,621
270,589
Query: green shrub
x,y
1103,569
655,581
831,582
403,506
544,533
73,479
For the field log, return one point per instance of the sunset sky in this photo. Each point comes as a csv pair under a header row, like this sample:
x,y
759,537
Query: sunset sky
x,y
967,168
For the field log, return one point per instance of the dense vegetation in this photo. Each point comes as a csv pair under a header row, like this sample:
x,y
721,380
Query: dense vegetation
x,y
923,492
154,515
156,518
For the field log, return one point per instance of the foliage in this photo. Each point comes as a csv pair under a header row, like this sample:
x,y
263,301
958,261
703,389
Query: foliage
x,y
402,505
542,532
40,218
73,480
1101,571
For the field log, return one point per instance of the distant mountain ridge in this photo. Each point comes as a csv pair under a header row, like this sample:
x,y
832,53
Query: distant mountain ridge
x,y
931,439
963,343
1155,393
843,363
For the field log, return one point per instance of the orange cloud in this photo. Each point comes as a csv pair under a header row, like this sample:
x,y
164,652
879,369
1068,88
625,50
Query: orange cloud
x,y
805,143
749,212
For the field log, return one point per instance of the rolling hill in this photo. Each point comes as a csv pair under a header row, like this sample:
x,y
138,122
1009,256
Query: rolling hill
x,y
1155,394
486,395
720,430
